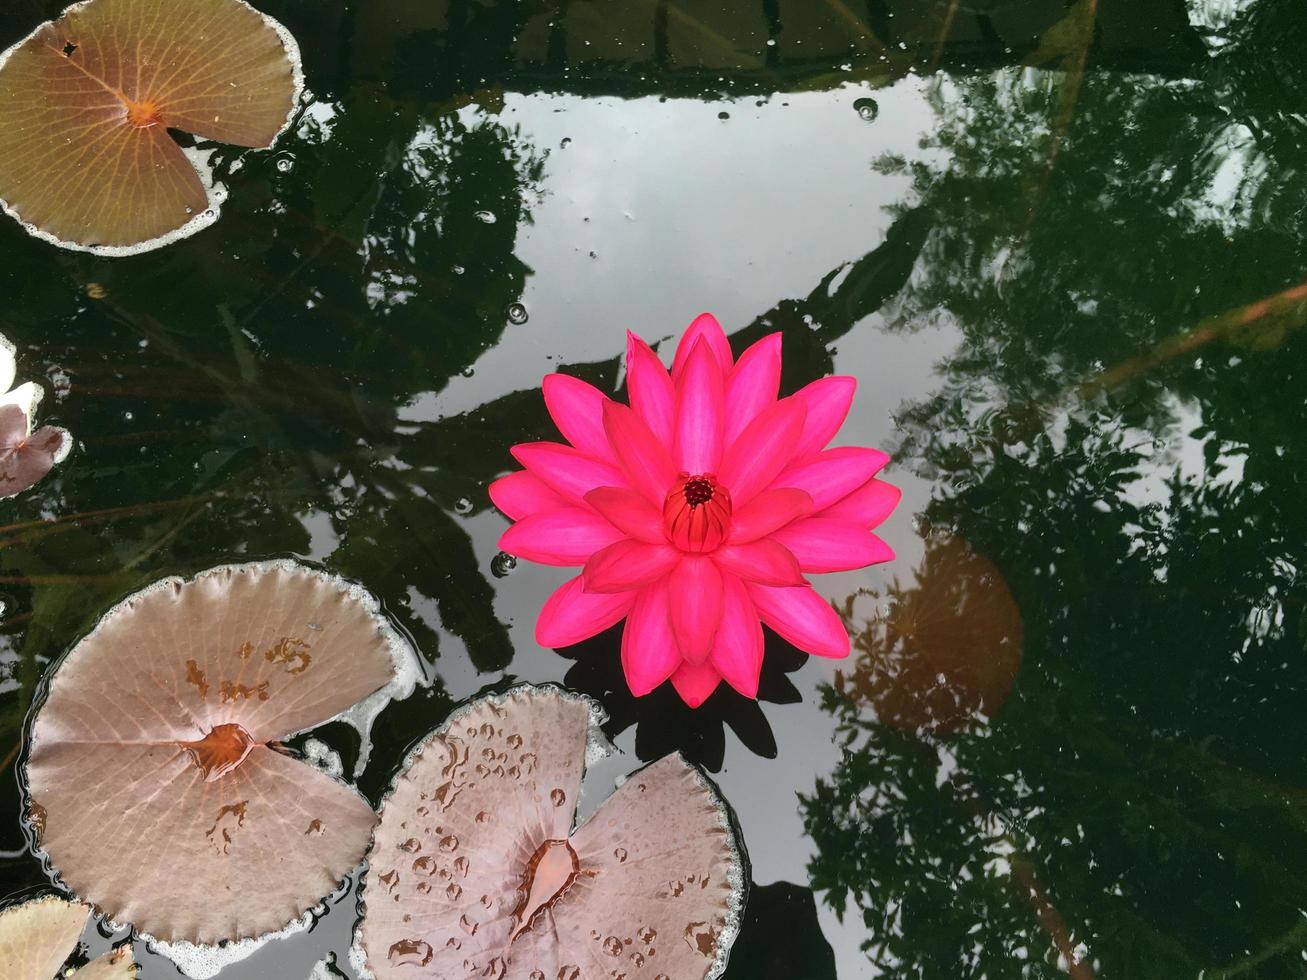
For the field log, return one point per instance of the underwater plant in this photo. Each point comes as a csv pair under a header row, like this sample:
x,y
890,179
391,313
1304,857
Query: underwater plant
x,y
155,769
86,102
37,937
696,512
476,870
26,456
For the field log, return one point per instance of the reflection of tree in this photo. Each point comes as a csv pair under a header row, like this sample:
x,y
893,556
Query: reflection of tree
x,y
940,654
1140,798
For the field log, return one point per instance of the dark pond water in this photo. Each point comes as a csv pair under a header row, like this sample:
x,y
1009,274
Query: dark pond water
x,y
1057,243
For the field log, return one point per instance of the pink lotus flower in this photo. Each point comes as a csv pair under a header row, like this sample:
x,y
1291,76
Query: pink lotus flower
x,y
696,512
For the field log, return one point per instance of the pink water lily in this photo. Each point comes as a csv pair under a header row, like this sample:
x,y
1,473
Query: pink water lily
x,y
696,511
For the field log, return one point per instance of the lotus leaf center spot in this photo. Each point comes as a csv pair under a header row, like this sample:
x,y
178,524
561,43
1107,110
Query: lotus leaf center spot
x,y
144,114
549,874
220,751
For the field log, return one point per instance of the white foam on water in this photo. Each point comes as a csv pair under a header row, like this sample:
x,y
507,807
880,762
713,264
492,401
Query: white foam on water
x,y
321,756
202,962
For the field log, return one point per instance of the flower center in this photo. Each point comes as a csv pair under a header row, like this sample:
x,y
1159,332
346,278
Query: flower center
x,y
697,513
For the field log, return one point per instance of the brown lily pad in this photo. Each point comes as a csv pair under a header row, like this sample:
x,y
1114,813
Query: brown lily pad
x,y
158,787
945,651
476,871
37,937
86,102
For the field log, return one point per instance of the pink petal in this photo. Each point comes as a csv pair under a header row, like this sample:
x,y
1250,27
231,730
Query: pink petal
x,y
767,512
643,458
833,474
828,401
824,545
753,460
762,561
630,513
699,408
577,409
628,565
737,650
753,384
652,394
866,506
649,651
568,471
706,328
695,682
803,618
572,614
568,536
521,494
695,595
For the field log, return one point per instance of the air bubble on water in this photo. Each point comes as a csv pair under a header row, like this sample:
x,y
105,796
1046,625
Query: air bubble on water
x,y
127,416
468,371
286,164
486,217
462,506
867,109
771,42
502,565
723,115
517,314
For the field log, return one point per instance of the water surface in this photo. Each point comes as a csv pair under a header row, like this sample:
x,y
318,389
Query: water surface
x,y
1058,245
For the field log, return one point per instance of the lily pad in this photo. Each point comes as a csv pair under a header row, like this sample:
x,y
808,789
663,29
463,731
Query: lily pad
x,y
38,936
86,102
25,455
158,788
476,870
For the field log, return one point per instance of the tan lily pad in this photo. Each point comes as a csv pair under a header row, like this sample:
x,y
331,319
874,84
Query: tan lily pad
x,y
476,870
86,102
159,791
37,937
